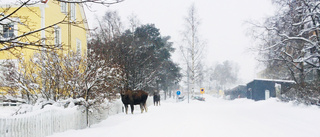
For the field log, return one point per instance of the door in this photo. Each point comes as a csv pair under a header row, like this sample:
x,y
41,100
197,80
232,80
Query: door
x,y
267,94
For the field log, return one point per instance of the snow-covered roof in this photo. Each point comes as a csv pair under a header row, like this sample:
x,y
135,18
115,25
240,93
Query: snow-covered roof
x,y
273,80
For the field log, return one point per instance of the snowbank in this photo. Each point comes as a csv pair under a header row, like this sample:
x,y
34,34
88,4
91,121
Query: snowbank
x,y
213,117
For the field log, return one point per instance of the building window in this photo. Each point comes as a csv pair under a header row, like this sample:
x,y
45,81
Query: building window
x,y
8,30
73,11
57,36
78,46
64,7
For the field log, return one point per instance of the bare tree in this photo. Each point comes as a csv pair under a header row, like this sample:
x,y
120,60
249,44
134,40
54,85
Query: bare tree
x,y
225,74
193,46
19,83
88,79
290,43
99,81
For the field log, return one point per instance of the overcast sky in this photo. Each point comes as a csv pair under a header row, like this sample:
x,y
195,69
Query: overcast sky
x,y
222,25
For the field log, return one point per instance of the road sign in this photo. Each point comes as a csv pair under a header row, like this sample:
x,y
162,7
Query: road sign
x,y
178,93
202,90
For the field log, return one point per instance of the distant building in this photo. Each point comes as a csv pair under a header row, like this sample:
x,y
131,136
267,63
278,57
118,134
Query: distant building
x,y
261,89
237,92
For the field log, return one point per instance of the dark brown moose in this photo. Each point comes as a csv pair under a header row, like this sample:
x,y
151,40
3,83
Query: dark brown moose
x,y
156,99
135,97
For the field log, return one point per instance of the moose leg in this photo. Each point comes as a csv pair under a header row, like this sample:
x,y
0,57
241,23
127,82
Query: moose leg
x,y
145,108
141,107
132,108
126,107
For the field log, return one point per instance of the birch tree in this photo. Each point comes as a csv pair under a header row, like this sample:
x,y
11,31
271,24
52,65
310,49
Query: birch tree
x,y
192,48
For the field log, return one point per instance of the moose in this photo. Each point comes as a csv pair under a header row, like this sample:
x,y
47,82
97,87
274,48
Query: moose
x,y
156,98
134,97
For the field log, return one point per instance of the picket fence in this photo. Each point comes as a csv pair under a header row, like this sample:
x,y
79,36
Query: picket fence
x,y
41,124
52,121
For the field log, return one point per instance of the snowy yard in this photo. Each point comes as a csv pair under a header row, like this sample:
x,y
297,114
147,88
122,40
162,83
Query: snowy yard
x,y
214,117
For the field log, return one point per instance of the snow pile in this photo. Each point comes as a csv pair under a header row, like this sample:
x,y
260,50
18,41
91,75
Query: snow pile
x,y
40,106
213,117
7,111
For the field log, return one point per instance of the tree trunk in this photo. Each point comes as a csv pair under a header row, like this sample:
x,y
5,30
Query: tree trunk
x,y
87,115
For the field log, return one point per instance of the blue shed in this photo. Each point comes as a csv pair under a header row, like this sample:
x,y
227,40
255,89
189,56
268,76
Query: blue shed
x,y
261,89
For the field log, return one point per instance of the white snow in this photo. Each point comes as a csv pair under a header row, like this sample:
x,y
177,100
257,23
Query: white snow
x,y
7,111
273,80
213,118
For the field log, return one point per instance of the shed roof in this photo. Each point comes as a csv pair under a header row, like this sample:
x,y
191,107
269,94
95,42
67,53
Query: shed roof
x,y
274,80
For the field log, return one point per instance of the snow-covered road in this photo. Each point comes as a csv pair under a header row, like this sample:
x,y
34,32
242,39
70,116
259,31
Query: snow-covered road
x,y
212,118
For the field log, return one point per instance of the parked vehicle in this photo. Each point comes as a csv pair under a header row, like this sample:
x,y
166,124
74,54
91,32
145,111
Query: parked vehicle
x,y
180,98
199,98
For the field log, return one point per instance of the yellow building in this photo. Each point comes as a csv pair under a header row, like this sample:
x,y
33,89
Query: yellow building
x,y
39,23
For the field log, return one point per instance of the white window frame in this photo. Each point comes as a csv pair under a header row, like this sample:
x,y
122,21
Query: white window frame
x,y
64,7
57,36
10,32
73,11
13,22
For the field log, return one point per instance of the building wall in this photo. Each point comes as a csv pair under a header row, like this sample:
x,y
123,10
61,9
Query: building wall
x,y
30,22
258,89
31,16
78,31
237,92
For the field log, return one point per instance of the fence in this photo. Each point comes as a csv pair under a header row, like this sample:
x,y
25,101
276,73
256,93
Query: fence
x,y
52,121
42,124
9,104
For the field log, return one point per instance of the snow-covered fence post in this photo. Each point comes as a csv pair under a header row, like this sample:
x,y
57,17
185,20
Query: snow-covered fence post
x,y
2,123
9,128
